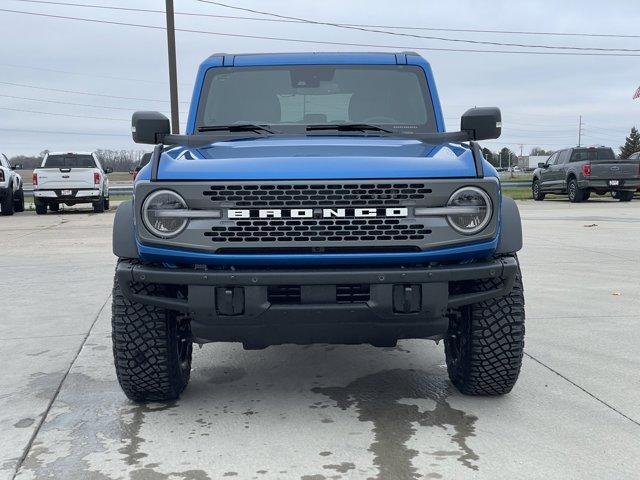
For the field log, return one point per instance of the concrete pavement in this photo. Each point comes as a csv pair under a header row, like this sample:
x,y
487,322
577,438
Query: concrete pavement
x,y
325,412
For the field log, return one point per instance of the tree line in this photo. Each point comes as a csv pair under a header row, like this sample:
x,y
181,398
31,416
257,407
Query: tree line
x,y
501,157
126,160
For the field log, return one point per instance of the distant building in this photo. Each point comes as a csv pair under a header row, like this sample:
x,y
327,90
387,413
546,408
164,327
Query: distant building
x,y
530,162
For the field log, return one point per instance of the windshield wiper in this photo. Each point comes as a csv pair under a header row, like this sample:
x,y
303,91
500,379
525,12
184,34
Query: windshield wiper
x,y
241,127
348,127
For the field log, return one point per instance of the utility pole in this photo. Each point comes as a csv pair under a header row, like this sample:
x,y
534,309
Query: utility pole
x,y
173,72
580,125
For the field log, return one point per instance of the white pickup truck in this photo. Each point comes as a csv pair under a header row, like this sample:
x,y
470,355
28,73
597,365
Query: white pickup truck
x,y
11,193
70,178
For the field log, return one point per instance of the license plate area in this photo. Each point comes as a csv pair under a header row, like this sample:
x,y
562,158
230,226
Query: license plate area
x,y
66,193
614,183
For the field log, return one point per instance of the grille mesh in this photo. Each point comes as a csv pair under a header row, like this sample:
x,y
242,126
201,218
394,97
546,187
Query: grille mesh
x,y
318,195
318,230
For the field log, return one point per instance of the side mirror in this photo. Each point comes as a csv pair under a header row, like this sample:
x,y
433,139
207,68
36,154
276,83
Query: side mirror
x,y
542,165
108,170
483,123
149,127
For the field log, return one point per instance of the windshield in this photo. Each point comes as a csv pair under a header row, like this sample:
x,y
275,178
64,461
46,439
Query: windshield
x,y
395,96
581,154
70,161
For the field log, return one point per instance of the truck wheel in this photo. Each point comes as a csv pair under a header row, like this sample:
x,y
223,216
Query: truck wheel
x,y
536,191
18,201
41,207
575,193
98,206
486,343
7,205
54,207
152,348
106,203
624,195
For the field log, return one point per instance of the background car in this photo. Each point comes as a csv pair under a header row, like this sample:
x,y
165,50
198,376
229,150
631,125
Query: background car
x,y
11,192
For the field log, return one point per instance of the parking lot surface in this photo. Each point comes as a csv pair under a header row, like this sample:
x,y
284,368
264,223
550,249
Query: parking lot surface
x,y
325,412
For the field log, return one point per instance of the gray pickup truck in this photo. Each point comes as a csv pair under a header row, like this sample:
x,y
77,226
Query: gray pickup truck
x,y
579,171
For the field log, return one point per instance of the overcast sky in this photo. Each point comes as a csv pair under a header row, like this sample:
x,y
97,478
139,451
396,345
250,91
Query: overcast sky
x,y
541,96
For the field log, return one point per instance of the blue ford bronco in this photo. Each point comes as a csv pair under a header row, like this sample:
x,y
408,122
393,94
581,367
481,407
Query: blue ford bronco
x,y
316,198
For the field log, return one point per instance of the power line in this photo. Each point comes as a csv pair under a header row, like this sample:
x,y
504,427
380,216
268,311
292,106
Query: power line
x,y
81,93
62,114
413,35
397,27
67,72
64,103
100,134
325,42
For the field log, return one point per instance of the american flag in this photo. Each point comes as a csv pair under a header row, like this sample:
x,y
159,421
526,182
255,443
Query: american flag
x,y
637,94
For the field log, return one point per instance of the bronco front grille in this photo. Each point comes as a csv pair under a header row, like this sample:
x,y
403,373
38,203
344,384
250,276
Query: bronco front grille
x,y
319,230
318,195
331,216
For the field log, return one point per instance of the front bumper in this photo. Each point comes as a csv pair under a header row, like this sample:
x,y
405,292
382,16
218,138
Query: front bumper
x,y
238,305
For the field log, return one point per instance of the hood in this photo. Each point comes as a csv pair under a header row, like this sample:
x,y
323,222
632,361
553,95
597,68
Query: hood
x,y
317,158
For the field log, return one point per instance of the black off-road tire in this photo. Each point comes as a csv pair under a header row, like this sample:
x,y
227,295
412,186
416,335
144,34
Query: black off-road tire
x,y
485,346
41,207
54,207
106,203
536,191
18,201
152,347
575,193
624,195
98,206
7,205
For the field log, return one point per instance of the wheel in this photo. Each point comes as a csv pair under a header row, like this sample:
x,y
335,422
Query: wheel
x,y
106,203
41,207
7,205
536,191
152,347
18,201
98,206
587,195
614,195
54,207
486,343
624,195
576,194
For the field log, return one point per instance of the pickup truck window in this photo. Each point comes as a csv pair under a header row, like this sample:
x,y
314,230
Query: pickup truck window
x,y
69,161
563,157
583,154
396,96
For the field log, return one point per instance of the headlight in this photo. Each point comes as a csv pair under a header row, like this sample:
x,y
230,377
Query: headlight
x,y
157,213
477,213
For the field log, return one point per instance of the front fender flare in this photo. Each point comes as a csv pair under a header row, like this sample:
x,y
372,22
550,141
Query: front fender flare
x,y
510,240
124,232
